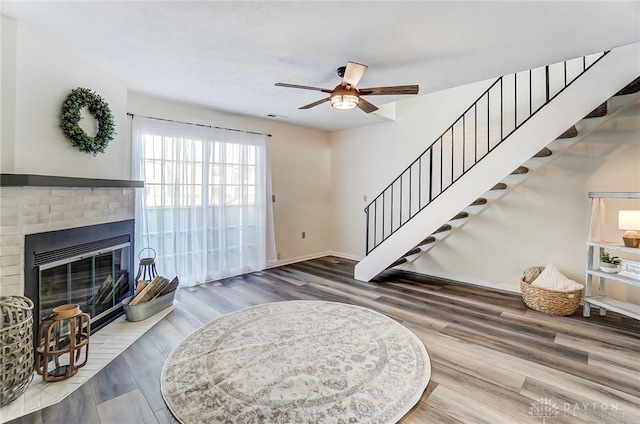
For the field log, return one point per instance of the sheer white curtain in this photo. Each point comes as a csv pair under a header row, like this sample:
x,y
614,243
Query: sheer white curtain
x,y
206,205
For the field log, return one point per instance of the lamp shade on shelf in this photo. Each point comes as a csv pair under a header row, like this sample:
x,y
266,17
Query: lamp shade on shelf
x,y
630,220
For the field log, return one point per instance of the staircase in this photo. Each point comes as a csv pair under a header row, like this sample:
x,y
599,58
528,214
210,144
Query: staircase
x,y
511,122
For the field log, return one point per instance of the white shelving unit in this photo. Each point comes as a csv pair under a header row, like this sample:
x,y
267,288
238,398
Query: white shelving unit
x,y
594,251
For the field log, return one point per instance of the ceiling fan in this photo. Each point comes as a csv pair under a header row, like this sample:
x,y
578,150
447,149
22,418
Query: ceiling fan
x,y
347,96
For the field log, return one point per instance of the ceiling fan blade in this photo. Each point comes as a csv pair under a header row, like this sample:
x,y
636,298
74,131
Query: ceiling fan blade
x,y
353,74
366,106
314,104
303,87
397,89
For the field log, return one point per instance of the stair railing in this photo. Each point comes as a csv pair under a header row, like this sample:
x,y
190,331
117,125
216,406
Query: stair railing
x,y
505,106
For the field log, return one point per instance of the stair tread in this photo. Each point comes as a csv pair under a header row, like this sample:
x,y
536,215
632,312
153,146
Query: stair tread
x,y
570,133
631,88
545,152
598,112
460,215
398,262
478,202
445,227
520,170
499,186
428,240
412,252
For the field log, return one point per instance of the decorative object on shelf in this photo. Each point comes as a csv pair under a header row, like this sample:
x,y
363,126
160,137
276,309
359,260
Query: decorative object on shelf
x,y
16,347
70,117
630,220
630,269
554,294
150,298
609,264
63,343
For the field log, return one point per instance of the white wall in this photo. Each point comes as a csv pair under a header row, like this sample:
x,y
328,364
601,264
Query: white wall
x,y
543,221
8,32
300,170
42,74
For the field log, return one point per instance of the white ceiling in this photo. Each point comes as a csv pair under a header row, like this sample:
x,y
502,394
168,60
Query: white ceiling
x,y
228,55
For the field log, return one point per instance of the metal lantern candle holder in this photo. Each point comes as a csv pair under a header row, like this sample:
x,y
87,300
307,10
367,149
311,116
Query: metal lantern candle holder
x,y
63,343
147,268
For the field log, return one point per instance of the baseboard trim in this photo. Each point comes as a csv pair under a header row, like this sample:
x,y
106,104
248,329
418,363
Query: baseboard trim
x,y
275,264
345,256
460,282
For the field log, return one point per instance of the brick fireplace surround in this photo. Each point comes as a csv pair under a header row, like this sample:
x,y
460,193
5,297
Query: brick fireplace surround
x,y
36,204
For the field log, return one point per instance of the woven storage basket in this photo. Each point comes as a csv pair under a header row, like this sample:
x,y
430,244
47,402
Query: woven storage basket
x,y
16,347
554,302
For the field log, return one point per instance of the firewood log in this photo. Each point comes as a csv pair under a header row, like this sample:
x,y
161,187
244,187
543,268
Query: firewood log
x,y
171,286
140,286
149,288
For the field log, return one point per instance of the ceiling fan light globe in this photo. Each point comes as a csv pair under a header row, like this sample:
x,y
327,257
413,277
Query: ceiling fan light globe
x,y
344,101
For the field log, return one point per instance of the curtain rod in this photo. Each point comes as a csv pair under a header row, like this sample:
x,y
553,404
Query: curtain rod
x,y
199,125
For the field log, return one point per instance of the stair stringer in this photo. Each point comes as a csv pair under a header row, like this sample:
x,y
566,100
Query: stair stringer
x,y
604,79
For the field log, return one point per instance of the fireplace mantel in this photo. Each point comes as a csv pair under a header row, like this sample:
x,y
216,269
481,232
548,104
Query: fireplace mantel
x,y
30,180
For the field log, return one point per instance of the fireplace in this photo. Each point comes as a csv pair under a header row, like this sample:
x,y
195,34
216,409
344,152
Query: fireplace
x,y
91,266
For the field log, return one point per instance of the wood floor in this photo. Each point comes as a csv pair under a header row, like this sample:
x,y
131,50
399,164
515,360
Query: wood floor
x,y
493,360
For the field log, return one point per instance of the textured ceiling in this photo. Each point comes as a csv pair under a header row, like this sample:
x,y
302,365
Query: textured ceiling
x,y
228,55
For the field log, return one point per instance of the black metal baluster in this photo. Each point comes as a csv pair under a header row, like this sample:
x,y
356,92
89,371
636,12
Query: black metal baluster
x,y
384,210
515,101
565,73
391,211
366,244
441,162
375,223
420,182
452,153
488,119
501,110
410,189
546,70
431,173
475,137
464,143
530,92
401,204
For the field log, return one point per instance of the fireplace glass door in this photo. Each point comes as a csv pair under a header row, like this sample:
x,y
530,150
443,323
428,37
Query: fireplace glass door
x,y
96,281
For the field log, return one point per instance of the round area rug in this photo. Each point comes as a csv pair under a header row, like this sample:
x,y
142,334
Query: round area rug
x,y
297,362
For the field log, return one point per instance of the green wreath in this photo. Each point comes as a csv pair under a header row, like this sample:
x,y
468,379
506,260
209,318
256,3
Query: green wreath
x,y
70,117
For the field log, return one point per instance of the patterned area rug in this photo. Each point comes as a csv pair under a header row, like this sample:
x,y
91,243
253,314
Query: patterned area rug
x,y
297,362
